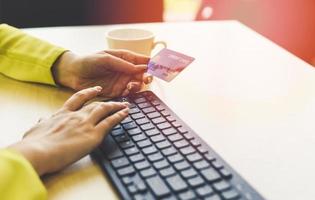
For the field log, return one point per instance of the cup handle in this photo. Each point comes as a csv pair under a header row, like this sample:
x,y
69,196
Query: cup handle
x,y
159,42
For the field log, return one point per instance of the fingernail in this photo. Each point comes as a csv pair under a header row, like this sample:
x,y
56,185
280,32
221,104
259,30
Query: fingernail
x,y
149,79
127,104
129,86
98,88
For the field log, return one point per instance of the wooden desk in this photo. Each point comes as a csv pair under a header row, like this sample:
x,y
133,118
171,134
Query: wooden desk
x,y
252,101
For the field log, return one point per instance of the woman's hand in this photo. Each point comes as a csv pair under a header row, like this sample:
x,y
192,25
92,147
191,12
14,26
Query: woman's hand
x,y
71,133
118,72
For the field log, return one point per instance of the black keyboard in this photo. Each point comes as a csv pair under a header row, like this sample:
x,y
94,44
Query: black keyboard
x,y
152,154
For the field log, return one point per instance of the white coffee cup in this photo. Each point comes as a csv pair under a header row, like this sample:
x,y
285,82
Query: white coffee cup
x,y
136,40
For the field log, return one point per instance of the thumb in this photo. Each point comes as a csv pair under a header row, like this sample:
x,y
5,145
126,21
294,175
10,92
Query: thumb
x,y
120,65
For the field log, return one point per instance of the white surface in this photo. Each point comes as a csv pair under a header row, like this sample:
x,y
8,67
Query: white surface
x,y
252,101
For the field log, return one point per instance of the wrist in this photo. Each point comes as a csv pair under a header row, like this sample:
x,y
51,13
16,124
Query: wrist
x,y
31,153
62,70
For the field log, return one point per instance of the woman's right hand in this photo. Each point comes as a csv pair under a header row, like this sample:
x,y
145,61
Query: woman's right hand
x,y
71,133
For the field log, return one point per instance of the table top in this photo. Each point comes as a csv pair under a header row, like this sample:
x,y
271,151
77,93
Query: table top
x,y
251,100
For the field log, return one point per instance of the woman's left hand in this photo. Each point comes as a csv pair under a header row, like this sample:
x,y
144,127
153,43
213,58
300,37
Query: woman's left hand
x,y
118,72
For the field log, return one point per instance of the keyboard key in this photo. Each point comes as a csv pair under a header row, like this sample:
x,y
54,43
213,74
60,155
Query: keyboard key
x,y
149,150
216,164
126,171
136,158
182,130
127,180
176,124
144,105
230,195
181,165
169,131
158,120
221,186
152,132
140,185
153,115
208,157
144,143
142,165
210,175
164,125
126,144
120,162
118,126
176,183
201,164
139,137
158,187
142,121
175,137
213,197
195,143
133,110
137,116
167,172
132,189
175,158
122,138
158,138
134,131
161,164
169,151
196,181
148,110
148,172
131,151
160,107
110,148
130,125
117,132
146,127
202,150
155,157
225,173
181,144
155,102
139,100
165,113
188,136
187,150
163,145
204,191
170,119
194,157
188,195
126,120
188,173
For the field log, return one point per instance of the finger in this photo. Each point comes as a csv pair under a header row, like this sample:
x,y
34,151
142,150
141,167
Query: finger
x,y
125,92
103,109
77,100
134,87
129,56
120,85
147,79
121,65
112,120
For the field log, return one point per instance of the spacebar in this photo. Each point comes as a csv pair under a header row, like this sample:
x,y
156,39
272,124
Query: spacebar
x,y
158,186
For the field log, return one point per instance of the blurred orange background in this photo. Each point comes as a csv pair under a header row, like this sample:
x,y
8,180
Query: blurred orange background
x,y
289,23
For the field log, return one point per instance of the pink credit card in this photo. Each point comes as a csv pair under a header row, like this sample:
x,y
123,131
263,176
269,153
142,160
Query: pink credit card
x,y
167,64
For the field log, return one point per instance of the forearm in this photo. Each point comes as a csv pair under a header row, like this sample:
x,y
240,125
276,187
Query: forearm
x,y
26,58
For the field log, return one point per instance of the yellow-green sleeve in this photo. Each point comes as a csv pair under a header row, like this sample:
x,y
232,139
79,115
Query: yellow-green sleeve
x,y
26,58
18,179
